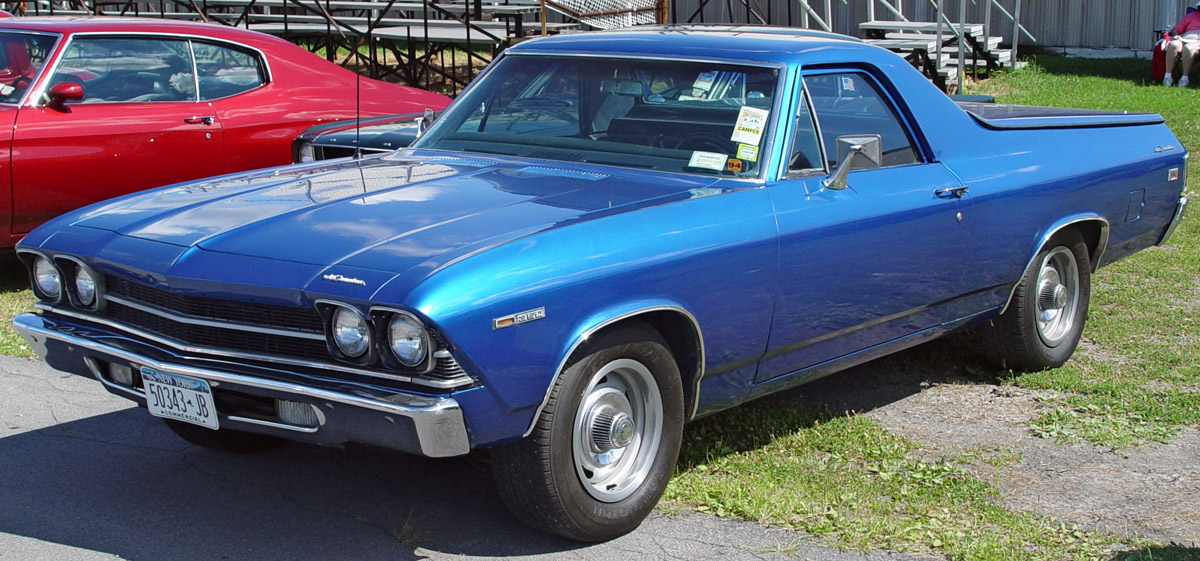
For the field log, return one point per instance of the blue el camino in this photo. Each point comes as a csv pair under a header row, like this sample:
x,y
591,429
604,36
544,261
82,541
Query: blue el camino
x,y
606,236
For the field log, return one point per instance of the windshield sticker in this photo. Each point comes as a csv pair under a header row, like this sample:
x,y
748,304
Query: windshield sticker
x,y
704,81
708,160
750,124
748,152
734,165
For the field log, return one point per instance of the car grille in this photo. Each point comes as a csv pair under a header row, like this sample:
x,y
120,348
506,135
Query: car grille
x,y
197,322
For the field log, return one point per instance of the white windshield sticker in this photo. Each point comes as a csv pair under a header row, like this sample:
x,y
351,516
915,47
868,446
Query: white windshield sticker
x,y
750,124
708,160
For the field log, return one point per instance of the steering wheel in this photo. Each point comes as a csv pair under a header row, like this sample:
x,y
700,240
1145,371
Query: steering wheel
x,y
706,142
22,83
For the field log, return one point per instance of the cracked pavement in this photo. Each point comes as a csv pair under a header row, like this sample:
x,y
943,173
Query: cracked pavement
x,y
85,475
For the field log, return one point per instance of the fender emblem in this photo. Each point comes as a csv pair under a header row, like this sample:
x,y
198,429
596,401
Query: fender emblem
x,y
517,319
347,280
1164,148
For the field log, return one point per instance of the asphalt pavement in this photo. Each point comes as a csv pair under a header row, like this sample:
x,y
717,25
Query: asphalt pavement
x,y
85,475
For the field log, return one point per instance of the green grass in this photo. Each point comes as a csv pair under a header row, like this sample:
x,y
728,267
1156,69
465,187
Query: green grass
x,y
1136,379
848,479
15,297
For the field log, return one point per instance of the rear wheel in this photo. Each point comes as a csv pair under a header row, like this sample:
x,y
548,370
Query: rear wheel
x,y
1044,321
605,445
224,440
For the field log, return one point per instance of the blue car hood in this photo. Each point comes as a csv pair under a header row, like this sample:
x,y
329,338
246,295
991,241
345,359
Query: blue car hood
x,y
386,213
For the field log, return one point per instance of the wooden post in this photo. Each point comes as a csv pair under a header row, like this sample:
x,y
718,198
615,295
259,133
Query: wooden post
x,y
543,18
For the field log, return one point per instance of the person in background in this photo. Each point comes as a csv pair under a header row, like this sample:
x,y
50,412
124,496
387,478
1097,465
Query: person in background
x,y
1185,44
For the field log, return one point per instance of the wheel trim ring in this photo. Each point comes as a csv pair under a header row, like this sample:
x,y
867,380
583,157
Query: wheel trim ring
x,y
632,464
1053,325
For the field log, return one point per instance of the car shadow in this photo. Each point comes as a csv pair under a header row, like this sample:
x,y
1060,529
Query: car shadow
x,y
949,360
123,484
1173,552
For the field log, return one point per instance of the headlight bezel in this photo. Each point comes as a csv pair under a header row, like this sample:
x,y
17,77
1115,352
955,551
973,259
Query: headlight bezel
x,y
342,350
71,268
386,318
30,259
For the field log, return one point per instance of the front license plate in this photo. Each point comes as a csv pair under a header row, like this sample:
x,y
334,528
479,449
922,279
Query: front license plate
x,y
178,397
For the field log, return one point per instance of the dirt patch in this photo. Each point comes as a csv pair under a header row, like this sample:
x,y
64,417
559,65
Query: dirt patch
x,y
935,396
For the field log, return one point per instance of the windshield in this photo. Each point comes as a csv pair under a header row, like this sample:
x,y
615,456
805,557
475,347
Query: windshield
x,y
693,117
22,56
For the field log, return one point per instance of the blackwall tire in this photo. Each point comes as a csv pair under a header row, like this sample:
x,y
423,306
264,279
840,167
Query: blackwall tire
x,y
1045,320
604,447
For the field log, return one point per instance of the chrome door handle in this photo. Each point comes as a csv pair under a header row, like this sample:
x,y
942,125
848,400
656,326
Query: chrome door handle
x,y
951,192
198,120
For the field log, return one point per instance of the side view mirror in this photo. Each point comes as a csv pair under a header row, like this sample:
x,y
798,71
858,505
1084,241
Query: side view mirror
x,y
63,92
861,151
425,121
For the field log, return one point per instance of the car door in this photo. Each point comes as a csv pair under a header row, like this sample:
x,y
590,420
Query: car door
x,y
879,260
259,119
139,125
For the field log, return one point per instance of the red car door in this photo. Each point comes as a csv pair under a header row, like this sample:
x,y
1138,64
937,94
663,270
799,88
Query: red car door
x,y
138,126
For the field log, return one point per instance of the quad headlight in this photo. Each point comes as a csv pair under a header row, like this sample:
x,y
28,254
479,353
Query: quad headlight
x,y
85,287
408,339
351,332
47,278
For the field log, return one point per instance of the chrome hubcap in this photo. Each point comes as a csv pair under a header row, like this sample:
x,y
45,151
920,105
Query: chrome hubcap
x,y
1057,296
617,430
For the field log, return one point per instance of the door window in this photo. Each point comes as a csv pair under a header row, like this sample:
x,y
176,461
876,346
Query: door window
x,y
851,103
128,70
225,70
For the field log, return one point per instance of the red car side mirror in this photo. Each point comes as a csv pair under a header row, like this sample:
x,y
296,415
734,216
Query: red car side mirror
x,y
63,92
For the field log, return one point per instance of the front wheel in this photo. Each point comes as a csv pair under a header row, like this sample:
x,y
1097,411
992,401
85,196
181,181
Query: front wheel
x,y
604,446
1044,321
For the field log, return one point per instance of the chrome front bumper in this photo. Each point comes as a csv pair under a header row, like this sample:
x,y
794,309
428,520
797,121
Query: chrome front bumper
x,y
429,426
1175,220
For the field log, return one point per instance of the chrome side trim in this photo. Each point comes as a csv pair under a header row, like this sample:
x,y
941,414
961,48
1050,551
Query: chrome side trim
x,y
214,323
438,421
690,411
436,384
1100,247
274,425
1175,221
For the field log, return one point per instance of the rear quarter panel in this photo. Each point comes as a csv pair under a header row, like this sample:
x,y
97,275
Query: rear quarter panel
x,y
1024,183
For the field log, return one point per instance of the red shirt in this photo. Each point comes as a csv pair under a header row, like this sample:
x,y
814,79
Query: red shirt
x,y
1190,22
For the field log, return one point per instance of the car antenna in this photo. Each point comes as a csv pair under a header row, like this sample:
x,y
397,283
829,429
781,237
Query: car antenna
x,y
357,114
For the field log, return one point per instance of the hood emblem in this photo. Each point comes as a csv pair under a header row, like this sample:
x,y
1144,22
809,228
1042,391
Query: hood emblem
x,y
517,319
348,280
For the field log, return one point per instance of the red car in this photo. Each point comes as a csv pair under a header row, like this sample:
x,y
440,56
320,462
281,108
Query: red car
x,y
92,108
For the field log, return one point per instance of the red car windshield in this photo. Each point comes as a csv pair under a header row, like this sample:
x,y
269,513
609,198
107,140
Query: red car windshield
x,y
22,56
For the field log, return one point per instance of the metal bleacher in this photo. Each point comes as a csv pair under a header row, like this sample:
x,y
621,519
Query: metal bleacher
x,y
944,49
436,44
